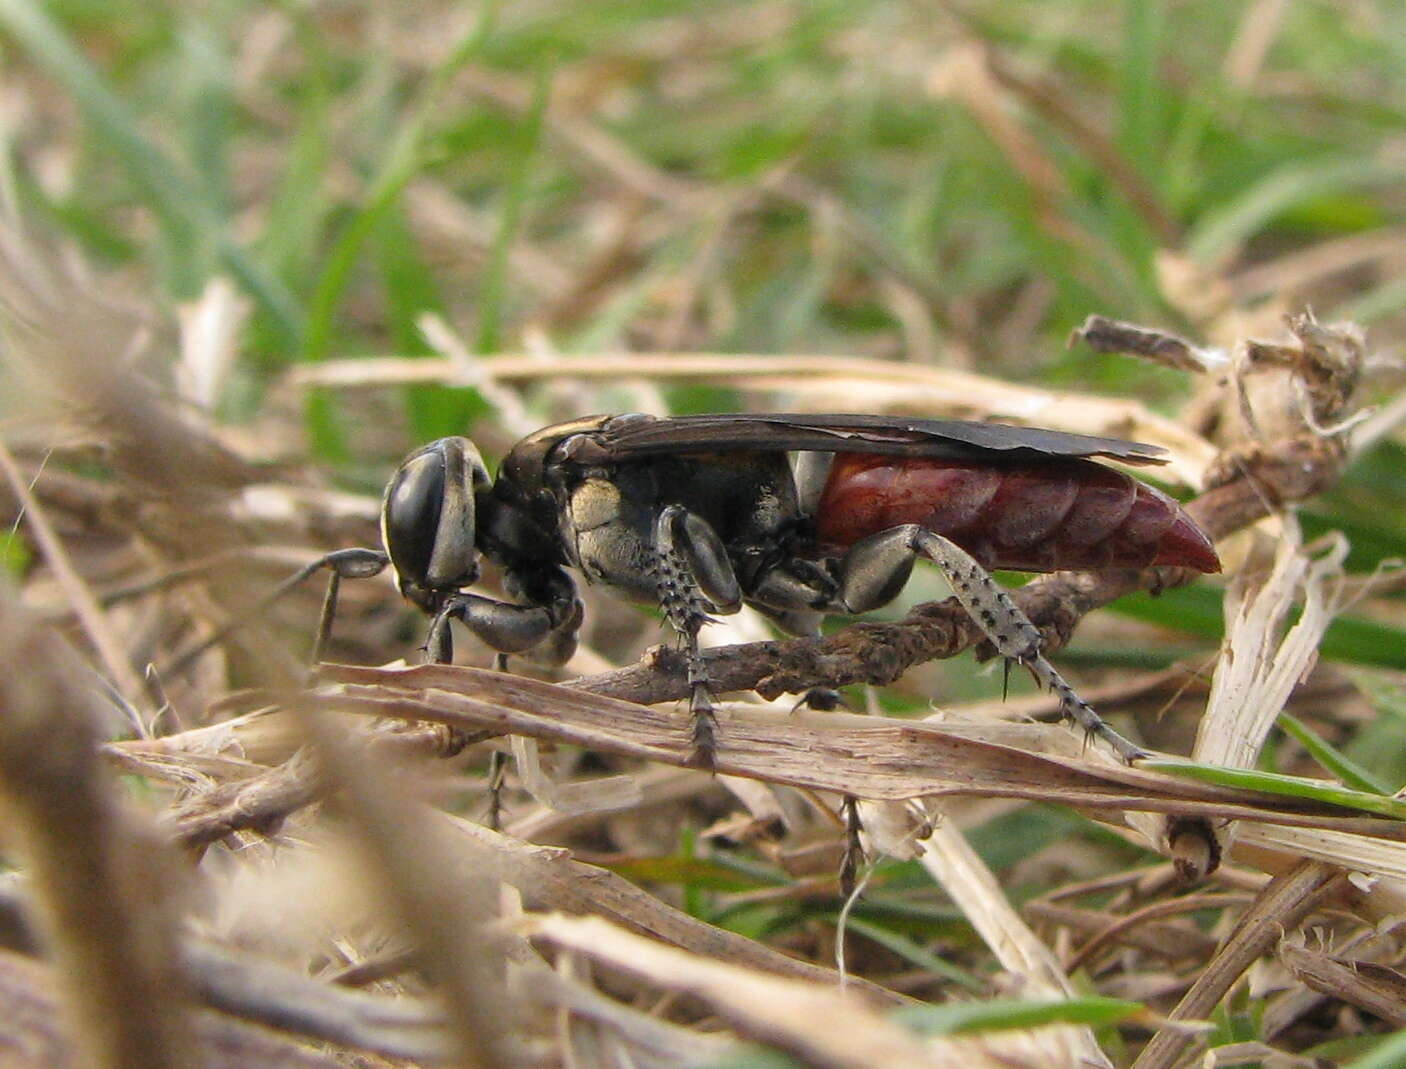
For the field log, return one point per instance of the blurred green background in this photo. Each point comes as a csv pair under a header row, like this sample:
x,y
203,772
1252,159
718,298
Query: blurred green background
x,y
955,183
958,184
952,183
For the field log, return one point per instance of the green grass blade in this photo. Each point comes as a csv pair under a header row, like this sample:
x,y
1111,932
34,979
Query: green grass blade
x,y
1224,228
1390,1053
1140,123
405,158
173,193
1003,1014
493,292
1339,764
1197,609
1276,783
915,954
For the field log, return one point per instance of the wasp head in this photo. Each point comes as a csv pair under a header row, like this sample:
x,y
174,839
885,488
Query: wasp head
x,y
428,520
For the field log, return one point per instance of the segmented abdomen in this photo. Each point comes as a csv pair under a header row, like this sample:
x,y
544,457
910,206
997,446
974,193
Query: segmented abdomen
x,y
1033,516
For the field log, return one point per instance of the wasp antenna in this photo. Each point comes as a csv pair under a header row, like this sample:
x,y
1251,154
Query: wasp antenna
x,y
356,563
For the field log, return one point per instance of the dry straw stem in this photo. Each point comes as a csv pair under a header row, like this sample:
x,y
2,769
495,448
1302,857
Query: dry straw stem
x,y
279,997
876,759
549,878
1376,988
85,606
869,385
33,1034
100,878
1261,663
262,801
822,1026
1142,928
950,859
445,908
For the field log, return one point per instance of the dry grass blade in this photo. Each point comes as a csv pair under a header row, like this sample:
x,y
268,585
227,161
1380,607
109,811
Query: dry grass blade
x,y
445,909
99,876
823,1026
1105,335
1252,684
866,385
834,752
275,996
85,605
1262,661
954,864
551,879
33,1036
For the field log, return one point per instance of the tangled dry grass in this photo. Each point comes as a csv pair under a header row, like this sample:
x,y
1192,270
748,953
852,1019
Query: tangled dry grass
x,y
220,855
289,823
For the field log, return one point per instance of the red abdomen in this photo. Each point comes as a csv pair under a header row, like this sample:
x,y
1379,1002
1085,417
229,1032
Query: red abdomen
x,y
1031,516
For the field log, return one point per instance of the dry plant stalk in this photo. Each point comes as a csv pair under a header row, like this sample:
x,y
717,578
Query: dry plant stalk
x,y
100,876
1281,906
952,862
34,1036
446,909
874,758
821,1026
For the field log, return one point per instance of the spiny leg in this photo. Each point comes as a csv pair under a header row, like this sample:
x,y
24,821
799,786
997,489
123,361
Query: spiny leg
x,y
828,699
1016,638
694,577
876,567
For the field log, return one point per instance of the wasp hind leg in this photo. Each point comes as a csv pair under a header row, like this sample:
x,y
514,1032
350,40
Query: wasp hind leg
x,y
876,568
694,578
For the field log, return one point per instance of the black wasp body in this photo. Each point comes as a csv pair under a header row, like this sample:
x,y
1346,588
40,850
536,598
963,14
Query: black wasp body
x,y
798,516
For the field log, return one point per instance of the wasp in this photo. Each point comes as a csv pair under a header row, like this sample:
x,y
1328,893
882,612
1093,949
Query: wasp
x,y
798,516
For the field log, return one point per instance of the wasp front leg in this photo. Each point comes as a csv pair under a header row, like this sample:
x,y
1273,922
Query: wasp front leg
x,y
546,623
694,577
875,569
546,630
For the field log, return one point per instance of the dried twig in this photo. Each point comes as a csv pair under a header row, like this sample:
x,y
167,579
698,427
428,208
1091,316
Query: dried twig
x,y
877,759
1279,908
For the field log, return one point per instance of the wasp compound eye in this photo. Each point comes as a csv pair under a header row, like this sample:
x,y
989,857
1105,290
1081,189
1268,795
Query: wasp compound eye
x,y
427,519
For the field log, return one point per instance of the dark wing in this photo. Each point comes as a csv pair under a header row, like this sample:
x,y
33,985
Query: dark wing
x,y
623,437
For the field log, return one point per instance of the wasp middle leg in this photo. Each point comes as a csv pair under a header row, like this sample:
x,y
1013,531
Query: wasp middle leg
x,y
695,578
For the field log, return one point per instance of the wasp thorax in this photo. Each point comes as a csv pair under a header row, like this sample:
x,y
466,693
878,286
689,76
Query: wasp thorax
x,y
427,519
